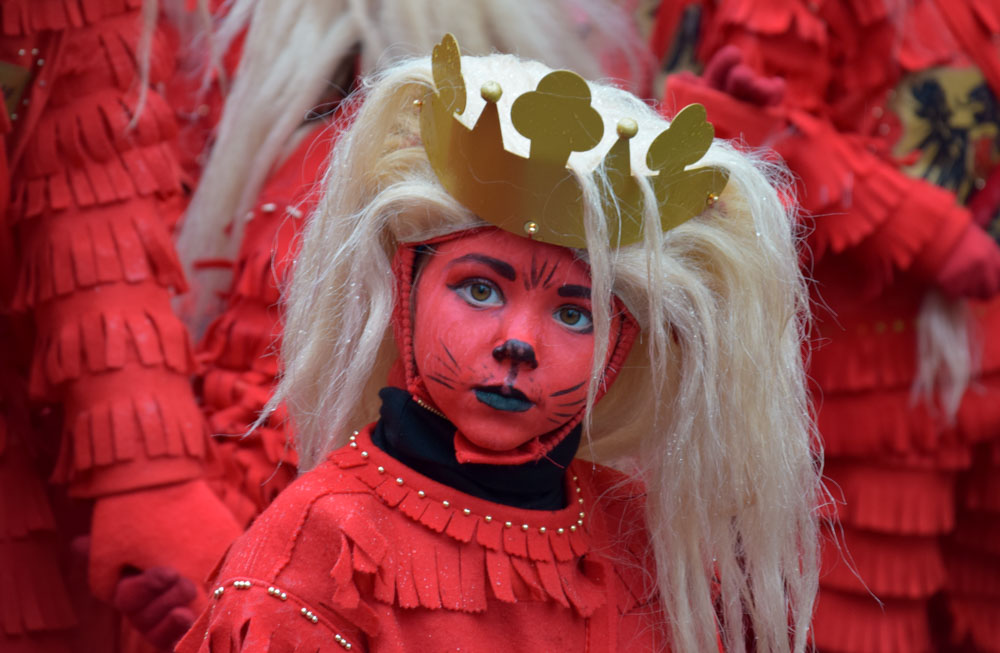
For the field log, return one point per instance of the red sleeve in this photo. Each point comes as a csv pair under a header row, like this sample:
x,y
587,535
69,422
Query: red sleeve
x,y
93,201
239,351
289,583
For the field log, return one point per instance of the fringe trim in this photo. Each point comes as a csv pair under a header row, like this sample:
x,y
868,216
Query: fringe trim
x,y
251,619
126,428
893,500
976,619
852,622
75,252
258,467
240,349
889,566
22,17
34,597
108,340
865,203
85,155
455,571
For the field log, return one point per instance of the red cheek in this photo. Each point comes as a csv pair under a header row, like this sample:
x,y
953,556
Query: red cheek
x,y
507,372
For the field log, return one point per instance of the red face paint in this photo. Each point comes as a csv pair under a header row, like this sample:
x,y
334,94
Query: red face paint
x,y
503,337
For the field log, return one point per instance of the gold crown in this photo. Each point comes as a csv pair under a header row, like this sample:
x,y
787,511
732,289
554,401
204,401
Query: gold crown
x,y
539,197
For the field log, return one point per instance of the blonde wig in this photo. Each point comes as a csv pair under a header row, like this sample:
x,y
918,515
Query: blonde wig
x,y
292,52
710,409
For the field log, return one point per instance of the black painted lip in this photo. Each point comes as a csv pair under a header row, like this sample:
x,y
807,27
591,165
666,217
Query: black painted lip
x,y
504,398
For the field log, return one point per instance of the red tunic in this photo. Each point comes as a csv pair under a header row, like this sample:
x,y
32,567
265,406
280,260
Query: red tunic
x,y
364,554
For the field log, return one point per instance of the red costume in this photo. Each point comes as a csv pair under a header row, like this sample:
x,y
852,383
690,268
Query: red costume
x,y
95,189
878,97
238,353
363,553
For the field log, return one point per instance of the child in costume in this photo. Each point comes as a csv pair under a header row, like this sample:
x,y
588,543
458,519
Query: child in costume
x,y
536,272
248,212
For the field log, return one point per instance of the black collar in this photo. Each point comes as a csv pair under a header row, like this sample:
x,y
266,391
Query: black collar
x,y
425,443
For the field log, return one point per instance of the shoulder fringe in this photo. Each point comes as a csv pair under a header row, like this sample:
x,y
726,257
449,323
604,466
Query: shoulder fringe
x,y
455,574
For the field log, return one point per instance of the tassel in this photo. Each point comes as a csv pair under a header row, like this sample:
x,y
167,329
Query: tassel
x,y
473,571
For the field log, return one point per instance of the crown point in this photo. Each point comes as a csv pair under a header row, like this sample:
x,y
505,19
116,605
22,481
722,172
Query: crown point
x,y
491,92
531,228
711,199
627,128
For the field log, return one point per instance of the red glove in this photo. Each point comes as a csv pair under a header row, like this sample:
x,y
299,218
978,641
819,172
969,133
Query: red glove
x,y
726,72
156,602
183,526
972,269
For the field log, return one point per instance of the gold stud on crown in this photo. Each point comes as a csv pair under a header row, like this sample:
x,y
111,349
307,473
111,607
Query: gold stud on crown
x,y
538,196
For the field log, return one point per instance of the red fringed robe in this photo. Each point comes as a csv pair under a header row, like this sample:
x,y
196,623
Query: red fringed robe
x,y
364,554
87,317
878,239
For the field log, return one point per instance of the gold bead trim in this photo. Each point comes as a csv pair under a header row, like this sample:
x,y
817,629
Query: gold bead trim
x,y
307,613
400,481
276,593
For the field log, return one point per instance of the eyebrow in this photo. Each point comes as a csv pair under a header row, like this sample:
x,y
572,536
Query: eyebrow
x,y
570,290
505,270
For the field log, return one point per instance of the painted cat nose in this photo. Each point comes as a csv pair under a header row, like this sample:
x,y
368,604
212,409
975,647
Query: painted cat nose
x,y
516,351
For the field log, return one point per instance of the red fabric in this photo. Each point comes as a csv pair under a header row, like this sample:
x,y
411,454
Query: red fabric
x,y
238,354
365,550
878,240
95,191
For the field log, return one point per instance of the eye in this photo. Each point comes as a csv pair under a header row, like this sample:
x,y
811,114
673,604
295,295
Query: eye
x,y
479,293
575,318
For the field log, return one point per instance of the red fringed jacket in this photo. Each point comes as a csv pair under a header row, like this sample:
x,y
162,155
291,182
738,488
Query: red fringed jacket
x,y
364,554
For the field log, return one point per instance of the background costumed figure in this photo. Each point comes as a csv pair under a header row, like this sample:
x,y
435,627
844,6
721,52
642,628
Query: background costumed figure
x,y
96,388
886,114
682,298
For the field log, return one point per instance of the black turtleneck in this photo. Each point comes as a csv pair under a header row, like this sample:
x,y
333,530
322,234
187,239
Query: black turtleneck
x,y
425,443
